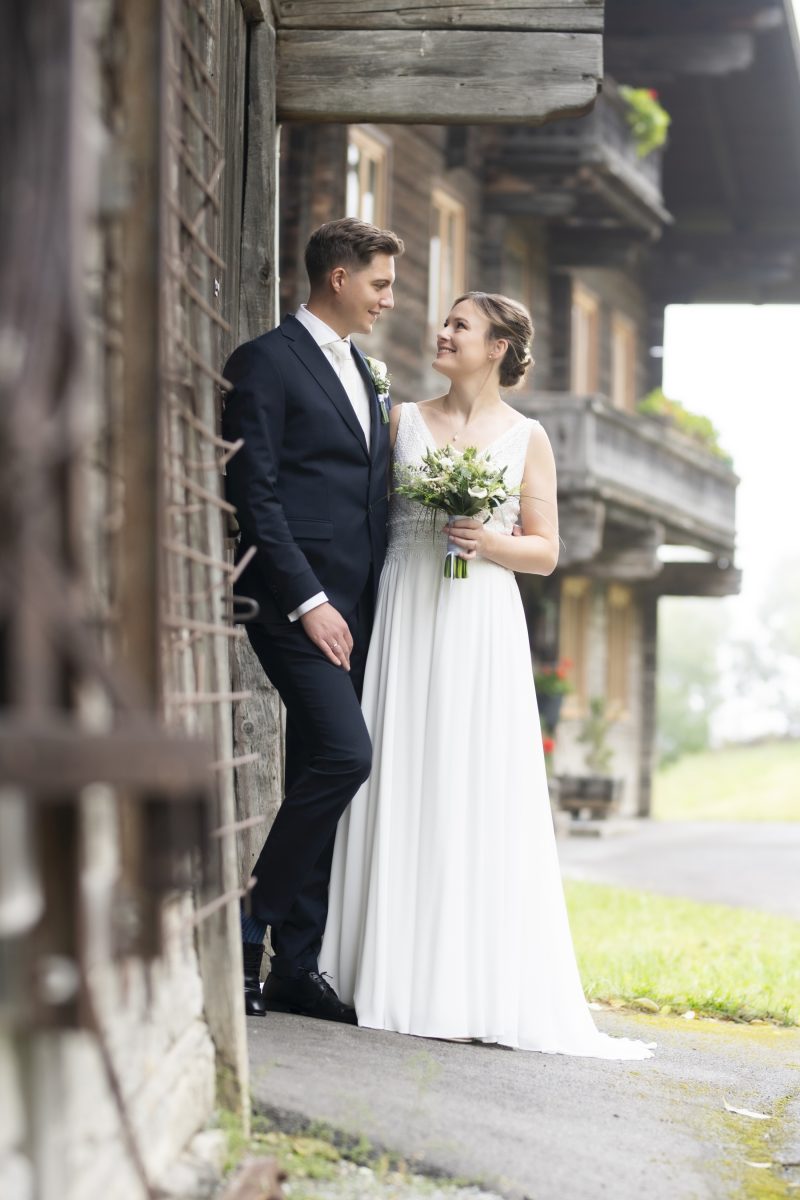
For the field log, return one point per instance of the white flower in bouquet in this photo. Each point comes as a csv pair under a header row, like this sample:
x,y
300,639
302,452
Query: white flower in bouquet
x,y
459,483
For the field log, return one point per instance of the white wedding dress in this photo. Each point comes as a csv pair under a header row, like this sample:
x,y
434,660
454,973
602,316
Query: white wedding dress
x,y
447,915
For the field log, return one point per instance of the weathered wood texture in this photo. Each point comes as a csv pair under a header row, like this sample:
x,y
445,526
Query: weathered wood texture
x,y
258,267
257,722
575,16
435,76
257,729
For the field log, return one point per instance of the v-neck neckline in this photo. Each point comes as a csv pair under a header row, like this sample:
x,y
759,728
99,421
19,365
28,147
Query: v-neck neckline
x,y
480,449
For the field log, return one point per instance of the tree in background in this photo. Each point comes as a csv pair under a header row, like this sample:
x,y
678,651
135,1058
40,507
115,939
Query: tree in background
x,y
691,633
765,666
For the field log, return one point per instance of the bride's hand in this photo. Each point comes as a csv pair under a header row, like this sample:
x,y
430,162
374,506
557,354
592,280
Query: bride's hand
x,y
469,536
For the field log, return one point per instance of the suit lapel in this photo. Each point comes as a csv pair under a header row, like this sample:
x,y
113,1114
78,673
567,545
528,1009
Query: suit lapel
x,y
313,359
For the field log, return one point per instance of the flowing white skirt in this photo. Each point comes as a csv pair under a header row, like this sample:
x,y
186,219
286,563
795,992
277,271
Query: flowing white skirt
x,y
447,915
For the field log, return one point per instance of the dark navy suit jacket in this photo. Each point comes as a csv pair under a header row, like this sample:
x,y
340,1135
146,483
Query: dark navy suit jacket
x,y
309,495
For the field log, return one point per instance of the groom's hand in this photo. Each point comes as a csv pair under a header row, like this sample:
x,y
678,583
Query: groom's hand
x,y
328,630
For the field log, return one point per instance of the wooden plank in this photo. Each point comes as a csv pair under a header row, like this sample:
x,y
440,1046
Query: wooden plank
x,y
574,16
258,267
57,757
435,77
140,586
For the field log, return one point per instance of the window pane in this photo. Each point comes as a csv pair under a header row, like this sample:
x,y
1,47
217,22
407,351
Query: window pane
x,y
434,282
368,200
352,204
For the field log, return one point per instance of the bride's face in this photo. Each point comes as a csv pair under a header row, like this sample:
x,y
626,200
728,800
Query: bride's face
x,y
463,346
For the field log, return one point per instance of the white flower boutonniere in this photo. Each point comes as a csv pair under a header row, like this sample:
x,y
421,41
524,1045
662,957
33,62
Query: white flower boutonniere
x,y
380,379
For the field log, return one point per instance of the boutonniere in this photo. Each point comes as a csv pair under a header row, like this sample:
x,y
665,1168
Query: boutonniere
x,y
380,380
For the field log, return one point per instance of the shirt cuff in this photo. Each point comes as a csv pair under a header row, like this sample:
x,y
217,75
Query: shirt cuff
x,y
307,605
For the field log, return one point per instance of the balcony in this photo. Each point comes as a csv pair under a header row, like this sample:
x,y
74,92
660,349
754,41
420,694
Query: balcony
x,y
585,171
629,483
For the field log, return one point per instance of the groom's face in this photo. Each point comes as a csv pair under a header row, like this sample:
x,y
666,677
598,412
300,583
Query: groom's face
x,y
365,294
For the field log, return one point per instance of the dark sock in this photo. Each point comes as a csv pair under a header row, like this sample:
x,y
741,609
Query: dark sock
x,y
253,929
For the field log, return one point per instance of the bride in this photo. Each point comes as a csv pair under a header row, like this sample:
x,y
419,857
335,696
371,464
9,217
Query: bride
x,y
446,916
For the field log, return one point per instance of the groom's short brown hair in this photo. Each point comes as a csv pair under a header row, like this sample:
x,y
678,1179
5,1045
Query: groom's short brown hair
x,y
347,243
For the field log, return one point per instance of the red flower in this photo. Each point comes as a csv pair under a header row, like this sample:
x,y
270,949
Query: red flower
x,y
549,745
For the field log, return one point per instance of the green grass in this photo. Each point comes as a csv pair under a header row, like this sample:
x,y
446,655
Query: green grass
x,y
684,955
739,783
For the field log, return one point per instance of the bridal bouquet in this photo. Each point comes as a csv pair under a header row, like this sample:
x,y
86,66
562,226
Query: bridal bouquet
x,y
458,483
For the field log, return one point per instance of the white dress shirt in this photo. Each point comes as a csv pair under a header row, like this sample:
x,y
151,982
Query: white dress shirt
x,y
339,355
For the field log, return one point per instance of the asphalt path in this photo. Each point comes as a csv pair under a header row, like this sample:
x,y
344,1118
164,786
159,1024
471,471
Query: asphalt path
x,y
548,1127
749,865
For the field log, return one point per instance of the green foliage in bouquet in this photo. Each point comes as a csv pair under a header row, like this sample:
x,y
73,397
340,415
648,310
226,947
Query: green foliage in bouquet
x,y
461,484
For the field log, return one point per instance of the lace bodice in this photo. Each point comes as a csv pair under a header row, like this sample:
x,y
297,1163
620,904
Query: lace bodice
x,y
410,524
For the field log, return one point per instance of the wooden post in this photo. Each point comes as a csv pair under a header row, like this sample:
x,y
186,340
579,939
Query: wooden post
x,y
648,599
258,721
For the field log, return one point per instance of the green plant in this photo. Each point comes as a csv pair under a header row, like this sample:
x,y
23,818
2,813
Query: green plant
x,y
699,429
593,734
553,680
648,119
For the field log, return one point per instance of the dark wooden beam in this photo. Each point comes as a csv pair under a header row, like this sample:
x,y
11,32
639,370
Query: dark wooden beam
x,y
573,16
651,59
435,77
719,578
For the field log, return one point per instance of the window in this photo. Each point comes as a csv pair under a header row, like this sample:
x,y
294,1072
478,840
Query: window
x,y
623,363
573,642
447,256
619,622
585,327
517,269
367,176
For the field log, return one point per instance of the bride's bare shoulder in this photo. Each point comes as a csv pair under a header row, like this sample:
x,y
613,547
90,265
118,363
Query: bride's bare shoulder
x,y
512,416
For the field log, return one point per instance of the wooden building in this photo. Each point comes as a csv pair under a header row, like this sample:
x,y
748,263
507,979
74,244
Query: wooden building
x,y
597,240
137,222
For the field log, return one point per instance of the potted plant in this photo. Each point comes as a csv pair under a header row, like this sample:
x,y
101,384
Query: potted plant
x,y
648,119
597,792
552,684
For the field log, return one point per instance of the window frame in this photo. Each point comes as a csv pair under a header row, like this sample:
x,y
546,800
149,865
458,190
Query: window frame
x,y
624,342
516,246
445,207
373,148
619,645
584,340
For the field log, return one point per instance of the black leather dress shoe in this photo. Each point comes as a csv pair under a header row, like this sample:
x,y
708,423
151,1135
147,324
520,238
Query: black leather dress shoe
x,y
309,995
254,1005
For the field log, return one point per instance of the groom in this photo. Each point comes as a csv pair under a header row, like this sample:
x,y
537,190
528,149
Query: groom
x,y
310,488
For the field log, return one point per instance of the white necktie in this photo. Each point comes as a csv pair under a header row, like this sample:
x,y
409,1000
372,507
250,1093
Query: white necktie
x,y
352,382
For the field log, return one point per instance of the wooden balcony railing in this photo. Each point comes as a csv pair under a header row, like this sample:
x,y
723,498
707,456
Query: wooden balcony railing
x,y
639,470
595,158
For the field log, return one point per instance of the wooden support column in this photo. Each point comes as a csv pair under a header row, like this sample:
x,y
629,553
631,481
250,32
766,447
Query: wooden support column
x,y
647,744
257,722
140,549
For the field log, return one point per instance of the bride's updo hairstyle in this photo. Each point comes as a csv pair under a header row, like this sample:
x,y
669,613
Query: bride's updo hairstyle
x,y
511,321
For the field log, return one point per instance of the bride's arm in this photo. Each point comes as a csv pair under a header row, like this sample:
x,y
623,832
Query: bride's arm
x,y
536,552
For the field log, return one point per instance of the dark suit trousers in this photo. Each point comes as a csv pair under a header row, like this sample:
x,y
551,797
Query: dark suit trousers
x,y
328,757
